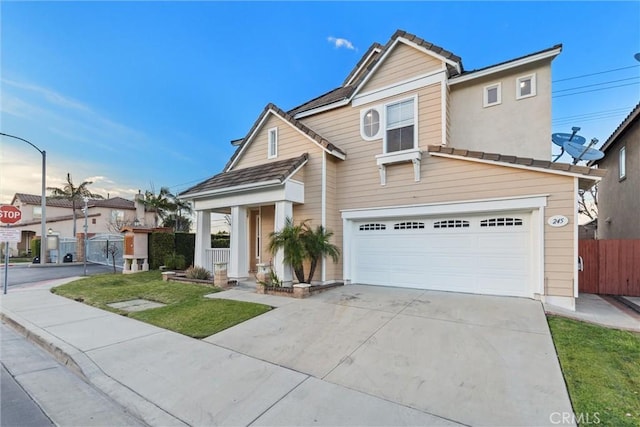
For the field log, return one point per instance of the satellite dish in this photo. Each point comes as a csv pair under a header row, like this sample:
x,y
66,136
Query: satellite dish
x,y
580,152
560,138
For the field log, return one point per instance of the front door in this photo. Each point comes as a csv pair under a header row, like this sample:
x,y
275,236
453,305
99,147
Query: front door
x,y
255,243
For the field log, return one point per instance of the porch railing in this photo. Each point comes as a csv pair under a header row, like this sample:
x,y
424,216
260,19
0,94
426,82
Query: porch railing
x,y
215,255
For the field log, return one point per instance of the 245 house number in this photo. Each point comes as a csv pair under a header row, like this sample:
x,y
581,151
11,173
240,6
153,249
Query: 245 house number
x,y
558,221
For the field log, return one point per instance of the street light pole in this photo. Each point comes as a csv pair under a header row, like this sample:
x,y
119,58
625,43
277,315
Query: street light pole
x,y
43,199
86,229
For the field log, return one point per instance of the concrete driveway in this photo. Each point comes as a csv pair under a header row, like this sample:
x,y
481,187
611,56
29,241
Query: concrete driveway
x,y
475,360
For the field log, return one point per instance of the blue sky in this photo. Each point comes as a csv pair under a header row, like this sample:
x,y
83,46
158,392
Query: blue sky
x,y
139,95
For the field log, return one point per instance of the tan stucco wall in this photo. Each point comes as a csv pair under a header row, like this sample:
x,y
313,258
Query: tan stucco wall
x,y
514,127
619,200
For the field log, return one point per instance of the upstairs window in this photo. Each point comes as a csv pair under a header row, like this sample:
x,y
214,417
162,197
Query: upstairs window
x,y
492,95
622,163
400,125
37,211
272,149
526,86
371,123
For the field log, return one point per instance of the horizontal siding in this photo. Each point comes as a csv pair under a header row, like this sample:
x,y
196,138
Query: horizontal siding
x,y
401,64
291,144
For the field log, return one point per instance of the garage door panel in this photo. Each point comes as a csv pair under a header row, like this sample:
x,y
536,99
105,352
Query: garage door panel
x,y
492,258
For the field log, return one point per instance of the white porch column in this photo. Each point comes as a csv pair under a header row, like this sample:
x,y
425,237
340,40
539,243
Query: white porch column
x,y
203,237
284,210
239,256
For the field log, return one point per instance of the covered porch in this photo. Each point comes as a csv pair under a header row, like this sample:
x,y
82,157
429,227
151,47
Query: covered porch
x,y
258,200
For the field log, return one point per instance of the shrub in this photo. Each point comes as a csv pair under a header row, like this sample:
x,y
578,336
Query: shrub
x,y
175,261
198,273
35,247
160,245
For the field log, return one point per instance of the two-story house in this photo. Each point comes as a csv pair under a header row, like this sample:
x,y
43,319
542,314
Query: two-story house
x,y
431,177
619,190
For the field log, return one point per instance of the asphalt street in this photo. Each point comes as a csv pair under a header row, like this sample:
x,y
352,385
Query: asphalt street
x,y
18,408
20,274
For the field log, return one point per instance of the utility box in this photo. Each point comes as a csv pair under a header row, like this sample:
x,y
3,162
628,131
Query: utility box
x,y
136,249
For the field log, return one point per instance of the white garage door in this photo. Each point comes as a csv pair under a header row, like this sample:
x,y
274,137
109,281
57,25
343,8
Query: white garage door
x,y
486,254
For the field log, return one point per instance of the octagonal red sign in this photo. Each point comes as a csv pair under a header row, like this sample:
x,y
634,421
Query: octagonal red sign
x,y
9,214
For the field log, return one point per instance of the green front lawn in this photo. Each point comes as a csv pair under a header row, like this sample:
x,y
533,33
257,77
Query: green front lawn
x,y
601,367
187,311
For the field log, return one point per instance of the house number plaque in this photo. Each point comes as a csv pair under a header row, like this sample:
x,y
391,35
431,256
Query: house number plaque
x,y
558,221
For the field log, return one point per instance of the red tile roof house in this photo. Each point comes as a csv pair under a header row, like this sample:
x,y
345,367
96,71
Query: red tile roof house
x,y
103,216
398,162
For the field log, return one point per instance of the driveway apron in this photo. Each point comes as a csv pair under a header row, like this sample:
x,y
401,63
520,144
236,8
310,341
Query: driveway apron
x,y
476,360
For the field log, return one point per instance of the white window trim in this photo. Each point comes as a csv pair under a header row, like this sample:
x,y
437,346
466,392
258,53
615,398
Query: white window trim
x,y
272,131
533,86
415,123
622,163
485,95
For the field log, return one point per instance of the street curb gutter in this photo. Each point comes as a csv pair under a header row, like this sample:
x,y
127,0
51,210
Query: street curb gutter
x,y
82,365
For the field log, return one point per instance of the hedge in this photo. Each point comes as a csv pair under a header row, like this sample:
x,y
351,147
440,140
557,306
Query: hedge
x,y
164,244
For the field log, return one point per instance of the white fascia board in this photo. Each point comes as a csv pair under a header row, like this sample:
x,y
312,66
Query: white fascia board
x,y
507,66
438,76
291,191
431,53
323,108
364,64
228,190
285,121
517,166
528,202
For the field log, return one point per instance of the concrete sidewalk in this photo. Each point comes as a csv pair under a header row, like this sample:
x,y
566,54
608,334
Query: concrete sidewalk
x,y
168,379
595,309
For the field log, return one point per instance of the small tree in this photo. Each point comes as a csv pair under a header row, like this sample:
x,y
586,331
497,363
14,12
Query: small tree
x,y
588,202
289,239
111,250
300,243
317,246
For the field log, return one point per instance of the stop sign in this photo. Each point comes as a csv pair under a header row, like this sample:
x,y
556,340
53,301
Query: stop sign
x,y
9,214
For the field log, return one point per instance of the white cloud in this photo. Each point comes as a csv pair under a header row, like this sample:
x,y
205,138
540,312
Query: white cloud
x,y
340,42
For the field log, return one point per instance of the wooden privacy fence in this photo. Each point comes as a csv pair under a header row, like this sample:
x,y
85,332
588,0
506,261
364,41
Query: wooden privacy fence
x,y
610,267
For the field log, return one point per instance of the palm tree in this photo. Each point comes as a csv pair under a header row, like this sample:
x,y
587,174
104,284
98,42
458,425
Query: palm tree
x,y
74,195
161,203
289,239
317,246
179,223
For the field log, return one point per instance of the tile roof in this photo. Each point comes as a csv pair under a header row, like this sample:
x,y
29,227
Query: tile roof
x,y
477,70
622,127
274,171
522,161
114,202
331,148
345,92
367,54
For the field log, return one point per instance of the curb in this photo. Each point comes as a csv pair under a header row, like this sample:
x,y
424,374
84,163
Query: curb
x,y
82,365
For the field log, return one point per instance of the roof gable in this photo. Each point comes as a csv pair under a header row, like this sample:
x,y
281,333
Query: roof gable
x,y
260,175
288,119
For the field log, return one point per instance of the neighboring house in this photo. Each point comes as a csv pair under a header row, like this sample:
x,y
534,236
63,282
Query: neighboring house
x,y
588,230
103,216
619,190
424,171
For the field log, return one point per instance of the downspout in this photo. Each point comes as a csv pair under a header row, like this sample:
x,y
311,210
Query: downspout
x,y
324,208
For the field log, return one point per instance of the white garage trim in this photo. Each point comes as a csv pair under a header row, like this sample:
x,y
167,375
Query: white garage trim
x,y
534,205
468,206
